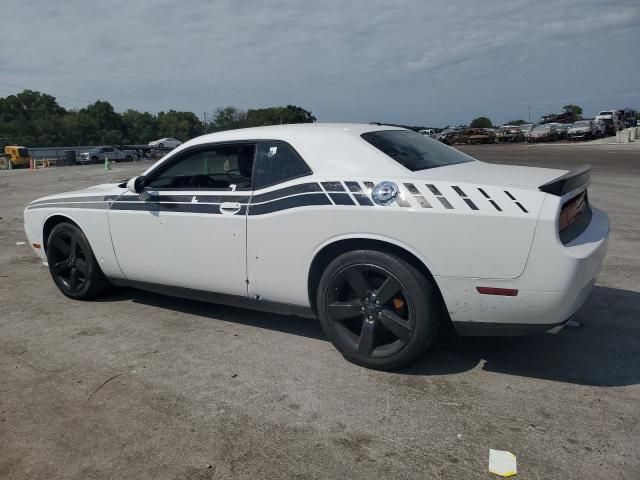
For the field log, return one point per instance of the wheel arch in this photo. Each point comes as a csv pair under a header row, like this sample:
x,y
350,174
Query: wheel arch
x,y
335,247
53,220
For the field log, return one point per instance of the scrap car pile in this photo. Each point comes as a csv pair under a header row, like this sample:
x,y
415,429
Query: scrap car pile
x,y
551,127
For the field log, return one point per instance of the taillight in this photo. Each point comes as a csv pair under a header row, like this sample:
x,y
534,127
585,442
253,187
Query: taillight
x,y
572,210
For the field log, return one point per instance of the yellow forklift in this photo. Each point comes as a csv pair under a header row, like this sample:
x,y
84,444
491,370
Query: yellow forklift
x,y
15,155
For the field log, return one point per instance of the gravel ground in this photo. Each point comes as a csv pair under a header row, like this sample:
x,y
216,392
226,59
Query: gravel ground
x,y
137,385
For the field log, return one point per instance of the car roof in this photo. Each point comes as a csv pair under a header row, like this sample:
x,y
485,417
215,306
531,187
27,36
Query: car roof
x,y
280,132
329,148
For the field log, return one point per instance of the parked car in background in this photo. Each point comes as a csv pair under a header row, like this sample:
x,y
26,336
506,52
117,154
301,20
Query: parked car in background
x,y
165,143
560,117
526,129
386,235
612,120
582,130
562,129
113,153
452,136
509,134
543,133
601,128
480,135
429,132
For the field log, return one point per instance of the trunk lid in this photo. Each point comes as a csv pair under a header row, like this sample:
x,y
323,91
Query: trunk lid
x,y
492,174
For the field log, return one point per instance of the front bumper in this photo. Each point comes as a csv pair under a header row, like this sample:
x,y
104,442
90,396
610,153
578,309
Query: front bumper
x,y
555,284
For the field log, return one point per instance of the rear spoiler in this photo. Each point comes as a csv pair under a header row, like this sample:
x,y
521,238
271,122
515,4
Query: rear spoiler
x,y
568,182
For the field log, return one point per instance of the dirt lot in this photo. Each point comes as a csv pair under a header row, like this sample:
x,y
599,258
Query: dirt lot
x,y
204,391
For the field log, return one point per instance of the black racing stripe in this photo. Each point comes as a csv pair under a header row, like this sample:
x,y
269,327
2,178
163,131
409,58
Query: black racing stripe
x,y
341,198
289,202
522,207
353,186
98,205
445,203
469,202
459,191
363,199
509,195
167,207
497,207
369,185
412,188
434,189
486,195
333,186
284,192
189,198
93,198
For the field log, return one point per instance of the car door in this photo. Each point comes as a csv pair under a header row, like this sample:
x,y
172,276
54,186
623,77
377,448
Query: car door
x,y
280,187
188,227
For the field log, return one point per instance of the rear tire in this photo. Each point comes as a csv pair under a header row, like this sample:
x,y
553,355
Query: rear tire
x,y
72,265
378,310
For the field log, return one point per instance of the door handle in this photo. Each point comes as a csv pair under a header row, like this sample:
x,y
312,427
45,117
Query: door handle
x,y
230,207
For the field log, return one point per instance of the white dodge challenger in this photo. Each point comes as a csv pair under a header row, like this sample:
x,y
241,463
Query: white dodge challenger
x,y
380,232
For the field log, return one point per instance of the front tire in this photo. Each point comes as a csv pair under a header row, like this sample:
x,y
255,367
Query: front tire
x,y
72,265
378,310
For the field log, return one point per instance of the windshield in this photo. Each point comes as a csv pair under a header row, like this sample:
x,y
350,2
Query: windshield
x,y
525,128
542,128
605,113
580,124
414,151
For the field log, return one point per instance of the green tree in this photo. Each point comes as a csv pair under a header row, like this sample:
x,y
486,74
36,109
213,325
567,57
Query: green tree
x,y
576,109
31,118
228,118
516,122
180,125
278,116
481,122
100,124
140,127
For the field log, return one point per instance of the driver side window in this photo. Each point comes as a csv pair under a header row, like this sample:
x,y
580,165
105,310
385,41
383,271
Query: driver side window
x,y
215,167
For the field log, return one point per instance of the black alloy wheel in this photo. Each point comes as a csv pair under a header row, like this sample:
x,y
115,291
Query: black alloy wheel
x,y
72,264
377,309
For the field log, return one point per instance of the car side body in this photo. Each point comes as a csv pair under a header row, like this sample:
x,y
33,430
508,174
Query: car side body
x,y
165,143
112,153
583,130
476,230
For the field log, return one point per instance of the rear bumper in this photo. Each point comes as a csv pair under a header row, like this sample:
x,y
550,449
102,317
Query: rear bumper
x,y
555,284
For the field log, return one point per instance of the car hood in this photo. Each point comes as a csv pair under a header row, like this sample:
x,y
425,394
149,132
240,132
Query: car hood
x,y
491,174
104,190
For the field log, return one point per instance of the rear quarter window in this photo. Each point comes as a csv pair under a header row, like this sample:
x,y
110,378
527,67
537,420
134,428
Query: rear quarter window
x,y
414,151
277,162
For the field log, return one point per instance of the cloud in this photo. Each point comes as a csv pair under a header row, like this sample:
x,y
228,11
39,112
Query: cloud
x,y
412,62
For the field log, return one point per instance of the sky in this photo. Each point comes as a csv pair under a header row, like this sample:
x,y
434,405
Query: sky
x,y
423,62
